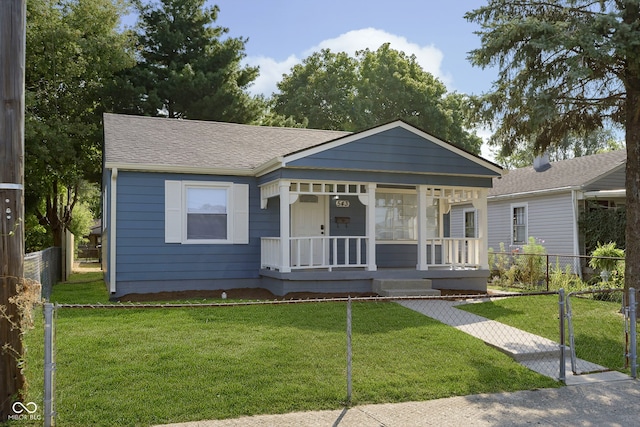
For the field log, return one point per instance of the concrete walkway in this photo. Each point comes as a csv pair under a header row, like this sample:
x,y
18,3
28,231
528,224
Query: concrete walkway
x,y
603,399
536,353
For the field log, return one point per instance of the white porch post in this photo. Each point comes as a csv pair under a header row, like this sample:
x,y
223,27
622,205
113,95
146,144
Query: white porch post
x,y
371,227
480,203
285,220
422,228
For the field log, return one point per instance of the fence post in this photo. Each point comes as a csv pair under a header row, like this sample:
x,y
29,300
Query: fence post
x,y
349,351
561,302
633,350
547,272
49,365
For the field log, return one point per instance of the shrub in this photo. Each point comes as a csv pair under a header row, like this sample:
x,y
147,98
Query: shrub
x,y
609,260
526,266
532,264
500,264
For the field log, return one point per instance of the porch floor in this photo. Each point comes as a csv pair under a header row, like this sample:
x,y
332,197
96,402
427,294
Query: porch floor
x,y
360,280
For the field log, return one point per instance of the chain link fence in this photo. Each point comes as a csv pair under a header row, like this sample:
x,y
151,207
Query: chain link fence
x,y
552,272
365,344
346,348
44,267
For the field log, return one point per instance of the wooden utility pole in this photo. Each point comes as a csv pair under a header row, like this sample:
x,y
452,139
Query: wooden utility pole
x,y
12,73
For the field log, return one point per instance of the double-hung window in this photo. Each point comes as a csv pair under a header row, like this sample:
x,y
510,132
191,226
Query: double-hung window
x,y
206,212
519,224
207,217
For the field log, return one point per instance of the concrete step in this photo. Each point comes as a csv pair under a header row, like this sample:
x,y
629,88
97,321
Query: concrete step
x,y
409,292
404,287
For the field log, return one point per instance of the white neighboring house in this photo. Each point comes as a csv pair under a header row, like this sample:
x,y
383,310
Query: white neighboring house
x,y
544,201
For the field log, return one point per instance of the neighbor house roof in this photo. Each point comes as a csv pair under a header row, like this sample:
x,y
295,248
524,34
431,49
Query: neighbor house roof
x,y
162,143
564,174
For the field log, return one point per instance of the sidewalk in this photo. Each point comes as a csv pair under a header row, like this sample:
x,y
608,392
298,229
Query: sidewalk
x,y
598,404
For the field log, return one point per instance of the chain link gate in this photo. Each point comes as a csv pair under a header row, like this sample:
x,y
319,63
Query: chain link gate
x,y
579,366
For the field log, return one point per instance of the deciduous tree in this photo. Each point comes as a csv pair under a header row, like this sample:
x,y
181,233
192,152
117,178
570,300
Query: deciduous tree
x,y
598,141
73,48
336,91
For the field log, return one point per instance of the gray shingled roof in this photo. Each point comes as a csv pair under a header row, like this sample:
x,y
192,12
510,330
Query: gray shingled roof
x,y
574,173
136,140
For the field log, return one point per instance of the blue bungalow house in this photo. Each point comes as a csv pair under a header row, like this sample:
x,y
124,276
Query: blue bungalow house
x,y
196,205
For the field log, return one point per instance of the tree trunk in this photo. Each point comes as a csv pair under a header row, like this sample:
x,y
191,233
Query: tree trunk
x,y
632,265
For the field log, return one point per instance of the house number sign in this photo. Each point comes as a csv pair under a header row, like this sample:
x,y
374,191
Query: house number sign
x,y
342,203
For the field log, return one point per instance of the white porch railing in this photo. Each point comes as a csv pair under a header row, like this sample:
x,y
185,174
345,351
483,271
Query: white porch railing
x,y
270,253
453,252
316,252
350,251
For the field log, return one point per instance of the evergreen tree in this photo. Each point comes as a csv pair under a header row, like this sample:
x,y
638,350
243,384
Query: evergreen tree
x,y
566,67
185,69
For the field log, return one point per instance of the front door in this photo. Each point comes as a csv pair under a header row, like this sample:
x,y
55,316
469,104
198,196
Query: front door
x,y
309,218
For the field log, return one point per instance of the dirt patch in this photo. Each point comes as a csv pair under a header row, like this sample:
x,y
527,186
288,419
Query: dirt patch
x,y
258,294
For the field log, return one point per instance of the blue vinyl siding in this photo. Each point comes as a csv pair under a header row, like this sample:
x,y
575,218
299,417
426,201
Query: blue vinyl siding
x,y
396,256
394,150
142,254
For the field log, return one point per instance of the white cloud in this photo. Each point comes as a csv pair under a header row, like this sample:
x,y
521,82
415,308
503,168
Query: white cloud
x,y
429,57
271,72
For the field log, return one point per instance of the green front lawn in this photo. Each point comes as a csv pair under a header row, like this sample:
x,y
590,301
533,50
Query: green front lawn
x,y
598,325
151,366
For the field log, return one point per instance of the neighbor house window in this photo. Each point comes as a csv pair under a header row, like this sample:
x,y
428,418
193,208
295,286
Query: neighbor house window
x,y
397,216
519,215
206,212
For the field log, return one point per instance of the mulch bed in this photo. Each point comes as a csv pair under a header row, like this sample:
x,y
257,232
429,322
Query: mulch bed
x,y
257,294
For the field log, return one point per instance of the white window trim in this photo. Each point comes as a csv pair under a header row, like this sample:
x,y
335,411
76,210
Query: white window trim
x,y
228,187
526,222
475,223
176,212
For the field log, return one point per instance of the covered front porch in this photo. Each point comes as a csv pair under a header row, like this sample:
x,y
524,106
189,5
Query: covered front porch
x,y
363,230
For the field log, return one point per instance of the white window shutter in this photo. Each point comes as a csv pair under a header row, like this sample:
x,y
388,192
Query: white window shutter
x,y
240,212
173,211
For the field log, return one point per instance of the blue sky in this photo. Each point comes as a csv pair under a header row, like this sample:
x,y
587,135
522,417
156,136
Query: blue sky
x,y
282,33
